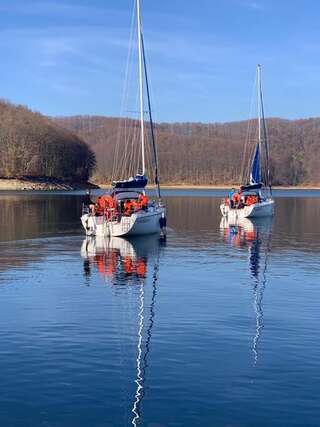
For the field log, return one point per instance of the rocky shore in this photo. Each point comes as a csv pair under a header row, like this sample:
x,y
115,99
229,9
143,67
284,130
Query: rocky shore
x,y
42,184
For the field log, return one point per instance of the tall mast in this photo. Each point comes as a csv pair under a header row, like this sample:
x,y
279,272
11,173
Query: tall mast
x,y
141,87
259,103
265,136
155,155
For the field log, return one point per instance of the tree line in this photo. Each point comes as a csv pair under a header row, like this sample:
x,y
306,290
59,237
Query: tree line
x,y
32,145
197,153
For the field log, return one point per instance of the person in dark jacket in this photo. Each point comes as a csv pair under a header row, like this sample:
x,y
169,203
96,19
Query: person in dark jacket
x,y
89,202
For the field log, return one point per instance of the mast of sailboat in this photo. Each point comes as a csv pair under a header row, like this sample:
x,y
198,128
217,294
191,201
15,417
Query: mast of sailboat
x,y
141,85
259,106
155,155
264,128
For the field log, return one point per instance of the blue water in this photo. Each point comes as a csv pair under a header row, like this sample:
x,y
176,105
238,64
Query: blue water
x,y
216,326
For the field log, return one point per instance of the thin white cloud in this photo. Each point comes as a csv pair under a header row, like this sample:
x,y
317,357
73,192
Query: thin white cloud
x,y
251,4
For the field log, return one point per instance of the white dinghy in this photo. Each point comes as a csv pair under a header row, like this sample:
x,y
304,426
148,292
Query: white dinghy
x,y
254,198
126,210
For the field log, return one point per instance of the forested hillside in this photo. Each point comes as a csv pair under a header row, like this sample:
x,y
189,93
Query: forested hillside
x,y
32,145
198,153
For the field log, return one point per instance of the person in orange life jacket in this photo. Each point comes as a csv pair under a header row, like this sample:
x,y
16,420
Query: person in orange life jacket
x,y
143,200
128,208
236,199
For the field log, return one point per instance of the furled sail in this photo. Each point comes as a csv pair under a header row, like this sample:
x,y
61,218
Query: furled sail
x,y
139,182
255,176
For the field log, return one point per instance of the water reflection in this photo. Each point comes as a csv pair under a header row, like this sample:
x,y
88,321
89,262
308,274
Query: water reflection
x,y
129,262
256,235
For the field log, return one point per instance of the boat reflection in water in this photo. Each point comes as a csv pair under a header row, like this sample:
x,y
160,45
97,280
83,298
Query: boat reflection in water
x,y
130,262
255,235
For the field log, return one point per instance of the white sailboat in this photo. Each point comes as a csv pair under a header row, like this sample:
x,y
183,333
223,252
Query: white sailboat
x,y
254,198
126,210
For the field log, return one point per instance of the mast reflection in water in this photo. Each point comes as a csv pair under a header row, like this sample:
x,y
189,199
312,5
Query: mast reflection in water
x,y
128,262
256,235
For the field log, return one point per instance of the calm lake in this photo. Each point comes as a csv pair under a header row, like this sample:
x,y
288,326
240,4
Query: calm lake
x,y
217,326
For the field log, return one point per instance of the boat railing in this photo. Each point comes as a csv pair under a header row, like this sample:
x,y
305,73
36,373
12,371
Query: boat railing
x,y
111,214
85,209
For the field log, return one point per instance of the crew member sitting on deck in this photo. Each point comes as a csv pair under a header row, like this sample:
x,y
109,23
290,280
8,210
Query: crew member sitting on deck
x,y
251,200
143,201
128,208
236,199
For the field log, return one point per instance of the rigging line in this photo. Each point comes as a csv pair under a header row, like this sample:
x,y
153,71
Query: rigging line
x,y
244,171
247,155
135,146
125,91
129,152
131,160
125,149
266,142
128,148
131,145
155,155
141,86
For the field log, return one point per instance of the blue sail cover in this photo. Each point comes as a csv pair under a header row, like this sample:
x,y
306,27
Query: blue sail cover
x,y
255,176
138,182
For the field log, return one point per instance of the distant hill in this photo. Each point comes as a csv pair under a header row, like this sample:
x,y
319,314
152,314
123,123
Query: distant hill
x,y
197,153
31,145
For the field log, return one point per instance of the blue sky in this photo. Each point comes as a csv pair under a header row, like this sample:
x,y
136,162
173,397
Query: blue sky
x,y
68,57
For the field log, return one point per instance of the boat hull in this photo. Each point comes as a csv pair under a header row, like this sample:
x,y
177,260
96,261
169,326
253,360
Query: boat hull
x,y
138,224
257,210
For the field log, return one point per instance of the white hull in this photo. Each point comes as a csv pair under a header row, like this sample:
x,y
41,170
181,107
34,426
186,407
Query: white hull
x,y
133,248
138,224
257,210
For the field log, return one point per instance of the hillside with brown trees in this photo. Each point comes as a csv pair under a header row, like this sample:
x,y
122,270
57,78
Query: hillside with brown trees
x,y
196,153
31,145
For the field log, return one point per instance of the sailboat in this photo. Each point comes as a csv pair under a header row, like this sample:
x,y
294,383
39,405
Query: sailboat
x,y
126,210
254,197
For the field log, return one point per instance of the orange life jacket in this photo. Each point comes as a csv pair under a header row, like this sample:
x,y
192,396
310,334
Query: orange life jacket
x,y
236,198
105,202
128,207
144,200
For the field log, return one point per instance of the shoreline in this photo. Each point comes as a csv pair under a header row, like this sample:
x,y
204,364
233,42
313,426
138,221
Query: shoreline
x,y
42,184
218,187
226,187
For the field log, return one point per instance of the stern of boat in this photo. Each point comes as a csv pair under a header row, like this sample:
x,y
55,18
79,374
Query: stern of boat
x,y
224,209
139,223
